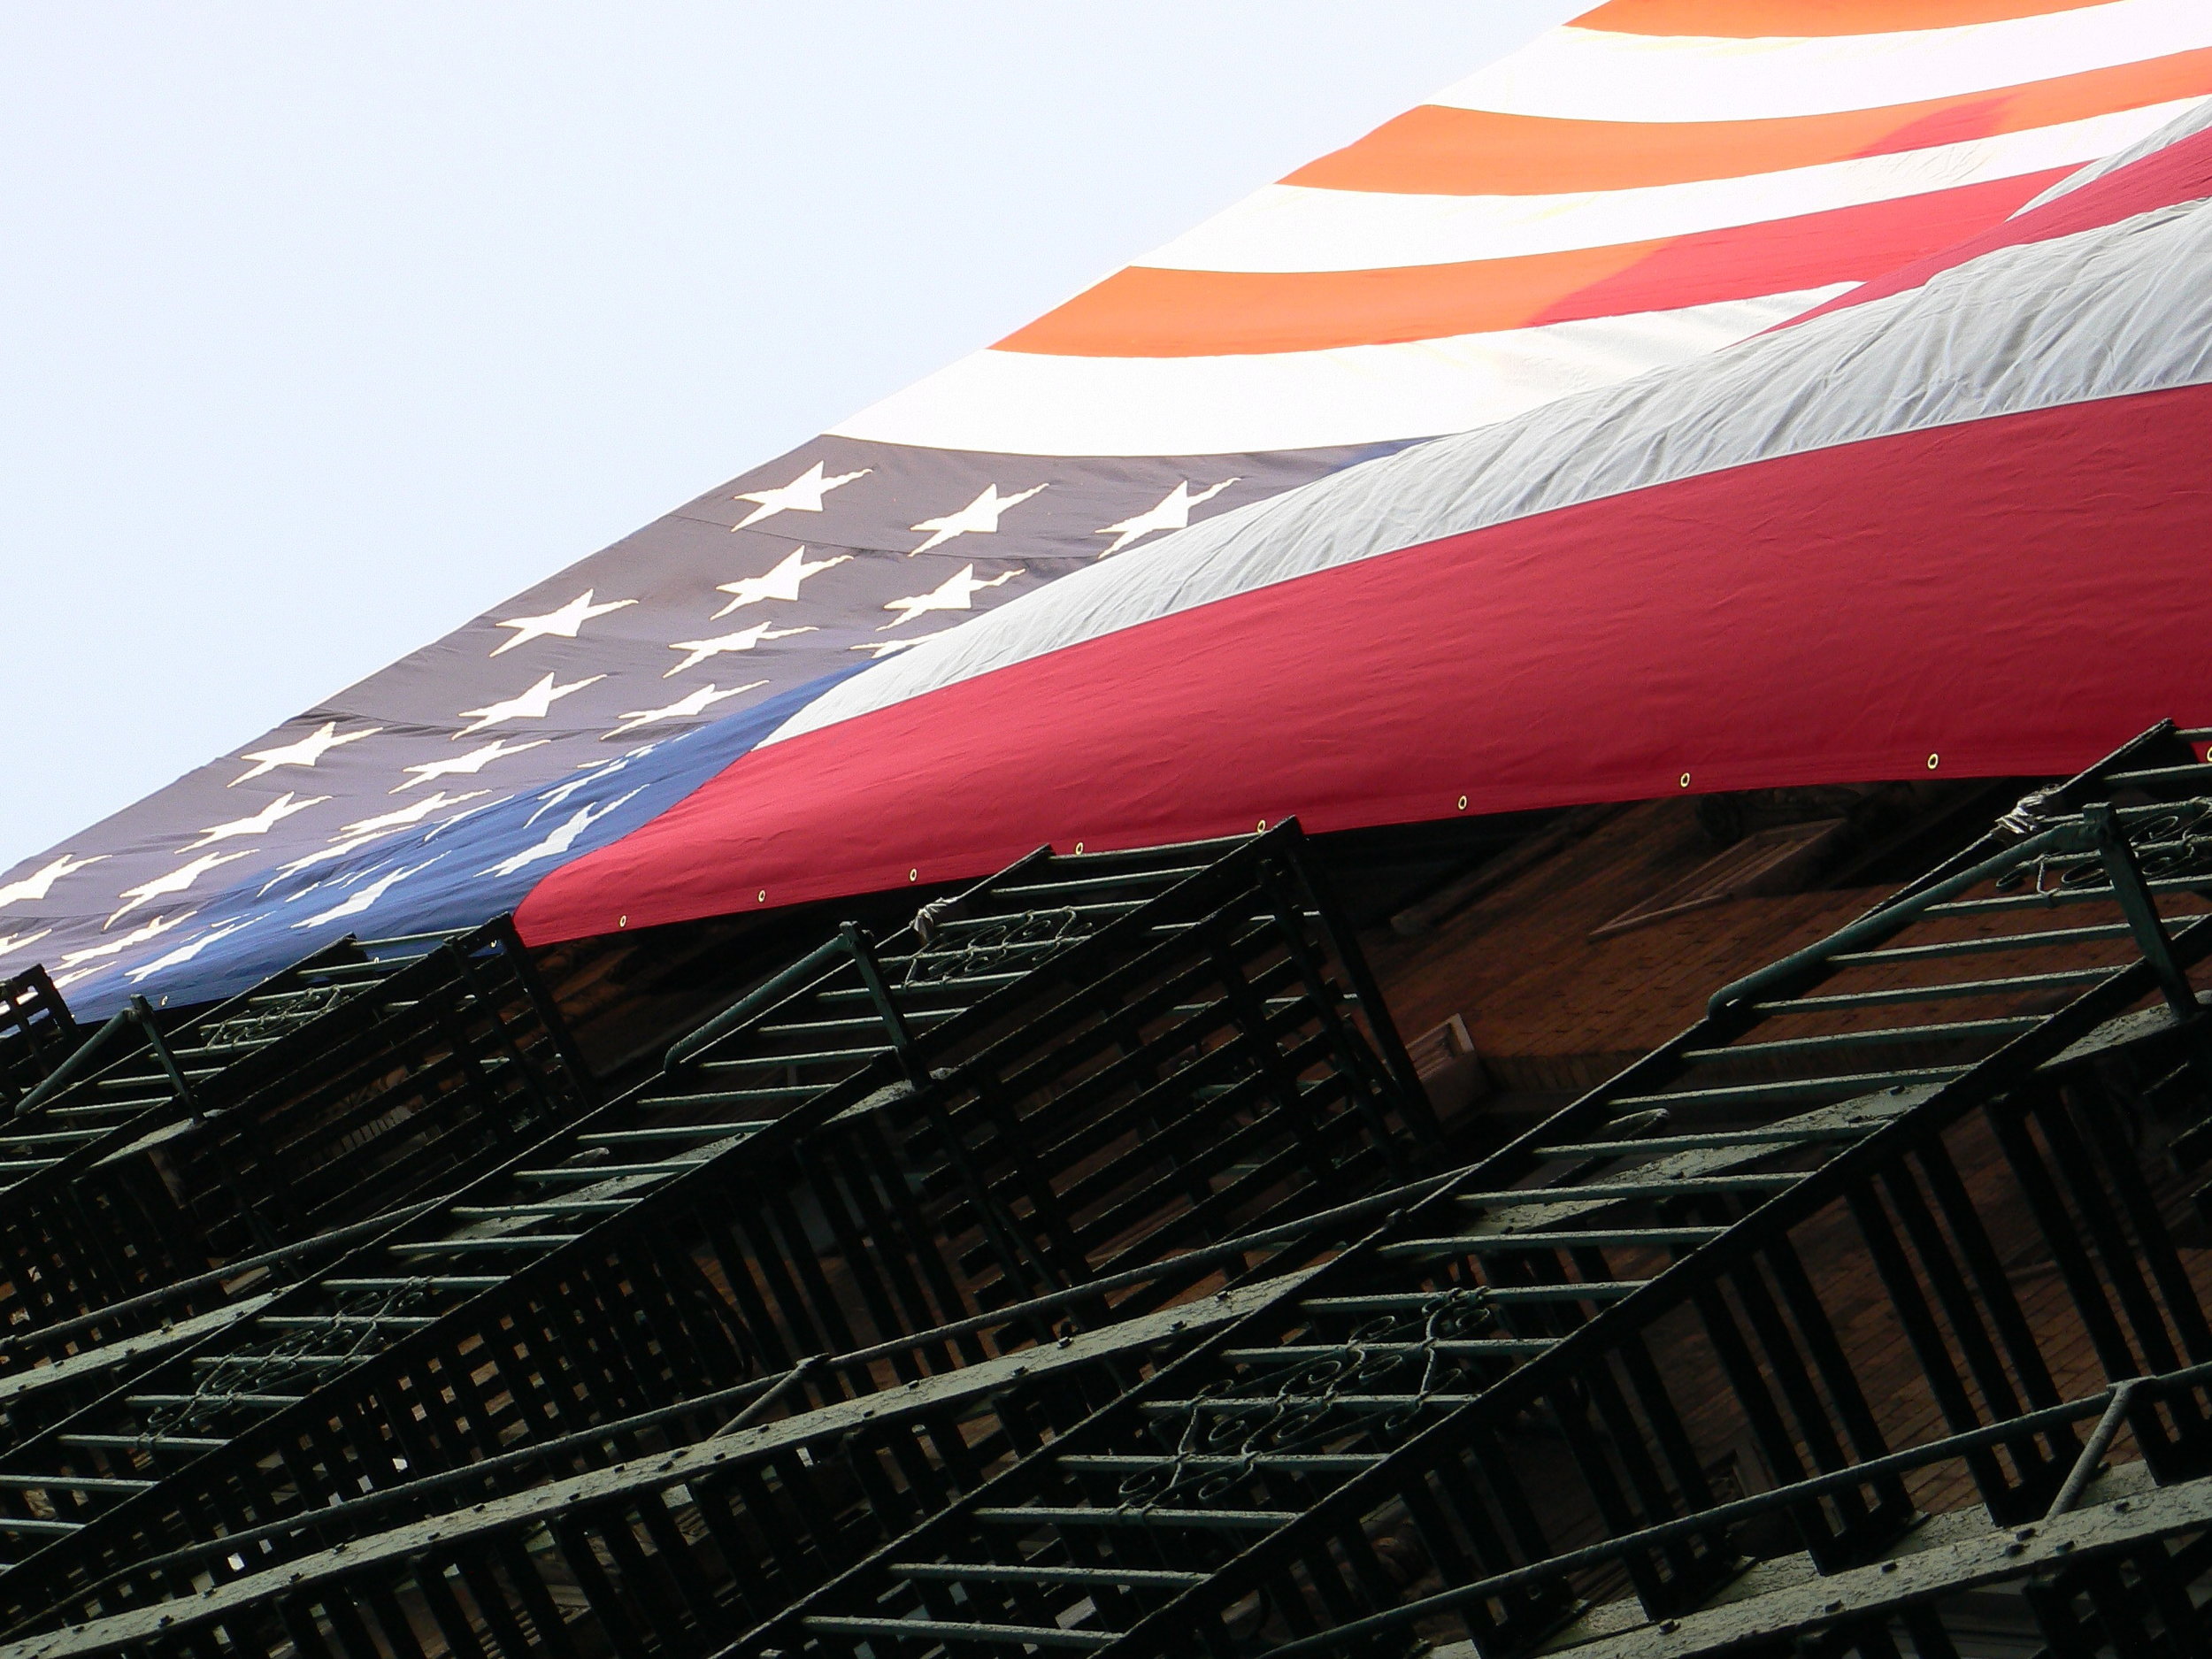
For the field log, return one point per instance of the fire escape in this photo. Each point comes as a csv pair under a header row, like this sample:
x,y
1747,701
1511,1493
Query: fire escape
x,y
1077,1269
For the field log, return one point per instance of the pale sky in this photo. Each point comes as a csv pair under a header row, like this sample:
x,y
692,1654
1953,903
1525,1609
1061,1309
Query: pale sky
x,y
327,326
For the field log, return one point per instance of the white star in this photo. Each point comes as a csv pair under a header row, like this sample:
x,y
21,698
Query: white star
x,y
979,516
743,640
176,881
879,648
466,766
34,884
117,946
558,839
368,895
953,593
1172,513
14,943
445,824
589,773
361,832
698,702
779,583
327,856
305,752
532,704
185,953
260,823
564,622
803,493
400,817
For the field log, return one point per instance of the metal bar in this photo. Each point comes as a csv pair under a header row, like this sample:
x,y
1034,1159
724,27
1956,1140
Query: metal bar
x,y
2100,1441
1475,1244
1934,993
78,1062
1933,1032
933,1630
1563,1290
775,989
856,944
1798,966
1779,1136
1383,1028
2200,771
2135,903
1981,945
1848,1084
1014,1572
1601,1191
2050,898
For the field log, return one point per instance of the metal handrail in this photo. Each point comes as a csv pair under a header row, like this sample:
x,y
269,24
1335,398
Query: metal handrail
x,y
2110,1406
1776,1215
2089,831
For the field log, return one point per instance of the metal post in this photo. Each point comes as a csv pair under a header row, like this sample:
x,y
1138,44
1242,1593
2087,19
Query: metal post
x,y
143,1012
2135,903
855,943
2092,1453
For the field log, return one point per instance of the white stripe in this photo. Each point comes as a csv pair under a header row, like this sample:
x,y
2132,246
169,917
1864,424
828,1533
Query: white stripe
x,y
1292,227
2106,313
1029,404
2194,116
1595,75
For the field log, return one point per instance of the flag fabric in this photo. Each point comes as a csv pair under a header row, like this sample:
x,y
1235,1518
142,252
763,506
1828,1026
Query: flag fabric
x,y
1715,393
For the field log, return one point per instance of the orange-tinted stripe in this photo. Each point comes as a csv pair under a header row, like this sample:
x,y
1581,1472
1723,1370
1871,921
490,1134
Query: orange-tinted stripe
x,y
2182,172
1147,312
1431,150
1743,18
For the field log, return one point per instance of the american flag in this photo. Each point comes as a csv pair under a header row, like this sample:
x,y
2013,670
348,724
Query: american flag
x,y
1446,304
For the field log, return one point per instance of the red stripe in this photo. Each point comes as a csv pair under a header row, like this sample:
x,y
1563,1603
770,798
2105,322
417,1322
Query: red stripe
x,y
1433,151
2013,596
1147,312
1757,17
2182,172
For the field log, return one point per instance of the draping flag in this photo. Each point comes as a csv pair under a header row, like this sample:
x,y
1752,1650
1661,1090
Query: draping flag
x,y
1702,397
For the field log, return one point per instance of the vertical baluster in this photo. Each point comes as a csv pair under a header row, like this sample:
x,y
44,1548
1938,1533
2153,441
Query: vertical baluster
x,y
1862,1521
578,1539
2153,1339
490,1596
1747,1384
2040,1475
1993,1285
2154,1244
446,1612
2009,1119
537,1602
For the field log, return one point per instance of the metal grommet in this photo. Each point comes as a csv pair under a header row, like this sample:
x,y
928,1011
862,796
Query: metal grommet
x,y
1932,762
763,897
914,875
621,921
1462,803
1262,828
1079,846
1685,780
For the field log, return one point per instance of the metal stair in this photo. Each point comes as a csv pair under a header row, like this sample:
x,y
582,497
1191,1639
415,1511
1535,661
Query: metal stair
x,y
1086,1065
347,1083
1527,1396
1512,1412
37,1033
63,1254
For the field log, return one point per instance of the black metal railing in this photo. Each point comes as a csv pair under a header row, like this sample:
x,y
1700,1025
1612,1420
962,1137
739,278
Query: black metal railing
x,y
1192,1068
37,1033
